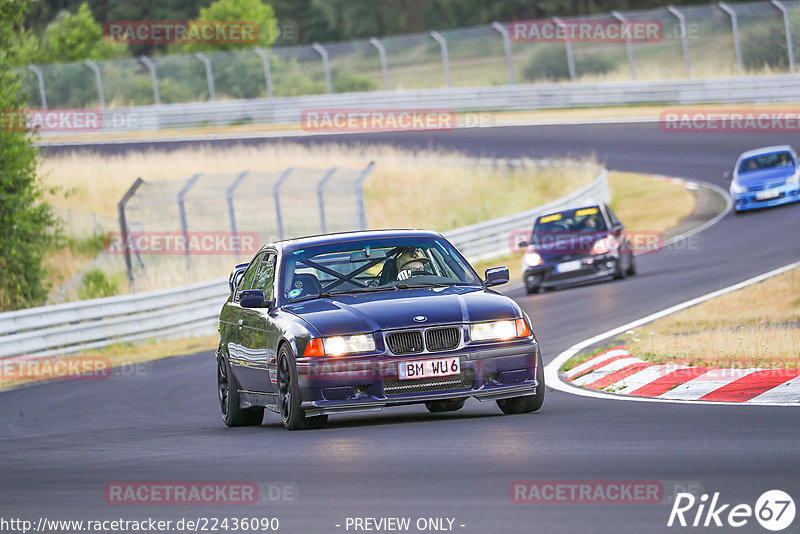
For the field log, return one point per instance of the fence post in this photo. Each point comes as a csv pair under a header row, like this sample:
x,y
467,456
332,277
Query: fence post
x,y
684,37
325,65
384,65
123,229
212,93
568,43
276,193
267,71
321,198
92,65
787,28
38,72
507,47
628,43
735,28
182,209
231,211
445,57
153,77
361,211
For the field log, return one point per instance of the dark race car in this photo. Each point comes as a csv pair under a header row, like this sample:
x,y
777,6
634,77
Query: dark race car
x,y
360,321
576,246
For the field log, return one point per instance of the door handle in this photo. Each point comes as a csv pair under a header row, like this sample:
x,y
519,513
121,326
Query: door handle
x,y
240,323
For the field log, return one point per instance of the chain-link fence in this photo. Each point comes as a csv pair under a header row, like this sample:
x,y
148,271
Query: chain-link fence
x,y
704,41
232,214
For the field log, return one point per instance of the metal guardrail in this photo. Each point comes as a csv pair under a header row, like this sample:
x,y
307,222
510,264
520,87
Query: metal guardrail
x,y
193,310
288,110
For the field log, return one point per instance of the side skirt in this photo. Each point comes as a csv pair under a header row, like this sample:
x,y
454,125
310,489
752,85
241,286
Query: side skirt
x,y
252,399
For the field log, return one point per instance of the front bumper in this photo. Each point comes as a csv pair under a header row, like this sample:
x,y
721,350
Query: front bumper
x,y
748,201
592,268
371,384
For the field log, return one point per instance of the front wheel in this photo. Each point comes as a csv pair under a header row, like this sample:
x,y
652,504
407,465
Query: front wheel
x,y
631,266
292,415
228,394
528,403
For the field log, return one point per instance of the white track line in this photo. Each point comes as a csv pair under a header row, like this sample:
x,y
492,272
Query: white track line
x,y
553,380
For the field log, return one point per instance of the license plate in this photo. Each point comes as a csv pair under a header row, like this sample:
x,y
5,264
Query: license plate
x,y
767,194
568,266
428,368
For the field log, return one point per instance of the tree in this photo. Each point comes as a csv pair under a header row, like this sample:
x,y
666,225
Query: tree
x,y
77,37
238,10
26,222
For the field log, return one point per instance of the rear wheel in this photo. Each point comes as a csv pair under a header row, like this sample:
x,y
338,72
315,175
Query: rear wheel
x,y
528,403
292,415
228,393
449,405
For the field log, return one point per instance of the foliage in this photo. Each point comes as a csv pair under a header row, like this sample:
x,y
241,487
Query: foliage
x,y
27,223
95,284
346,81
238,10
77,37
549,61
765,44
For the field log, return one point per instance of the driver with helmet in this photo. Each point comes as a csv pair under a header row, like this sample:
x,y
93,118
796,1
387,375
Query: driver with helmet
x,y
412,262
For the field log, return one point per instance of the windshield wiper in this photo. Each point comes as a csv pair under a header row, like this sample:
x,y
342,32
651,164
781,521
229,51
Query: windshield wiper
x,y
430,284
328,294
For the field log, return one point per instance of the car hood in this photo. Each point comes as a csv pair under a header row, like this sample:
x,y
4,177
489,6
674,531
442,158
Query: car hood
x,y
369,312
765,176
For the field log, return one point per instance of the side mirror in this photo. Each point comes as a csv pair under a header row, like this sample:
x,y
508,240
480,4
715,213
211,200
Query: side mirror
x,y
522,244
236,275
253,298
496,276
727,175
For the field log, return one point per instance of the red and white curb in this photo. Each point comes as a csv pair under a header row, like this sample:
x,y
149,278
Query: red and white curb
x,y
616,371
680,392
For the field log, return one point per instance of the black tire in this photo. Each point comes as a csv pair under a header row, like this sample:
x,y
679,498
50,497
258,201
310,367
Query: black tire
x,y
632,266
292,415
737,212
619,272
530,290
228,394
449,405
528,403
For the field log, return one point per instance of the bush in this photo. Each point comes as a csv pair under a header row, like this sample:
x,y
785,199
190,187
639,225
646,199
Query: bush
x,y
346,81
549,61
96,284
765,45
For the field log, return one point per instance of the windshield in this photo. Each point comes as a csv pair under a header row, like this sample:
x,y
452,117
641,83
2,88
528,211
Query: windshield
x,y
766,161
568,222
372,265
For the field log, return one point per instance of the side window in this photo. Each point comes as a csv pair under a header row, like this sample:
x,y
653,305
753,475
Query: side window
x,y
612,217
265,275
249,274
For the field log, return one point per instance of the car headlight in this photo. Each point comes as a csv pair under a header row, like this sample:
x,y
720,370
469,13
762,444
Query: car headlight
x,y
736,188
340,345
499,330
604,245
531,259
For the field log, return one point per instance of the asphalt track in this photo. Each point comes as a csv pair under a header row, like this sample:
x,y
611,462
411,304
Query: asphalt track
x,y
63,442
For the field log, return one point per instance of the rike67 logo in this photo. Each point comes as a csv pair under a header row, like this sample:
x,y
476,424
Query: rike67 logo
x,y
774,510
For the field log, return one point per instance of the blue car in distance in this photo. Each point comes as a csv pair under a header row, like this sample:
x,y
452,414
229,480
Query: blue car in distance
x,y
365,320
765,177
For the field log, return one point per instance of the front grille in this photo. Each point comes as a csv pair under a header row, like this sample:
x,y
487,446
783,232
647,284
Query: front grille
x,y
442,338
395,386
761,187
409,342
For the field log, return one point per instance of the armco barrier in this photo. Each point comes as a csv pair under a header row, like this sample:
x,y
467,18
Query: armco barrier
x,y
287,110
193,310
